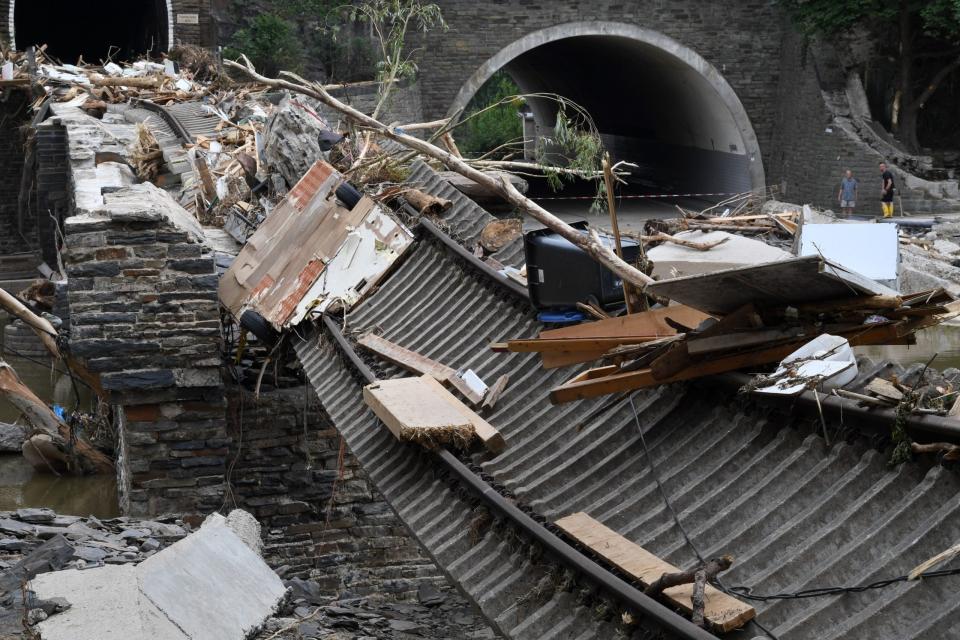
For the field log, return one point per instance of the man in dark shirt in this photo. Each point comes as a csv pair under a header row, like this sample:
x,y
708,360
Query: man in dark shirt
x,y
886,190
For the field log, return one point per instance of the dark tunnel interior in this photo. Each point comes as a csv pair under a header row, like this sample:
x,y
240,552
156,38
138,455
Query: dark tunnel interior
x,y
92,29
650,107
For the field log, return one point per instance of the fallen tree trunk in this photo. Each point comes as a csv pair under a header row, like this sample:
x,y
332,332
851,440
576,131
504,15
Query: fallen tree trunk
x,y
426,203
591,243
49,433
699,246
145,82
40,326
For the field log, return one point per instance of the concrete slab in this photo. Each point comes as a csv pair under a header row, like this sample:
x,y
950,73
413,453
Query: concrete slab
x,y
674,261
211,585
105,604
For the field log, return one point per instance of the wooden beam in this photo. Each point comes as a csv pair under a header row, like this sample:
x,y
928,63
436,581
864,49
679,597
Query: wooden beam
x,y
723,612
495,391
605,380
488,434
418,363
414,412
647,323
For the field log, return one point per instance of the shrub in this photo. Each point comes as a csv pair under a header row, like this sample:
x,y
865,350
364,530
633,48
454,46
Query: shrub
x,y
271,43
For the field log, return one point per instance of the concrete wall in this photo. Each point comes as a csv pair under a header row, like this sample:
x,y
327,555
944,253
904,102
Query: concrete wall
x,y
813,145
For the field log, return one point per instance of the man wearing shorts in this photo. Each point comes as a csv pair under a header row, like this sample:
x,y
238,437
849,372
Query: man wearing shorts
x,y
886,190
848,193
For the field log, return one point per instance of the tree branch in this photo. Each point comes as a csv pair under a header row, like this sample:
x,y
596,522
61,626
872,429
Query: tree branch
x,y
934,83
591,245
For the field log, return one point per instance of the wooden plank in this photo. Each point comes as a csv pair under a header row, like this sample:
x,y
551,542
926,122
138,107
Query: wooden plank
x,y
536,345
648,323
738,340
495,391
723,612
418,363
885,389
488,434
762,216
414,411
605,380
403,357
856,303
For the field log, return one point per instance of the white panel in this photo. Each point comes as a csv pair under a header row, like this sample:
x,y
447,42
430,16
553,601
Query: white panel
x,y
872,250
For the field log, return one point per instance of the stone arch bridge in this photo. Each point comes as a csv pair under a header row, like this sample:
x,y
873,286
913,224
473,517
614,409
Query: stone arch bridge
x,y
705,96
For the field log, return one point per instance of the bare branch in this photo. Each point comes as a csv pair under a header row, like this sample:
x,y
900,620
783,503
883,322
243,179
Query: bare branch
x,y
591,245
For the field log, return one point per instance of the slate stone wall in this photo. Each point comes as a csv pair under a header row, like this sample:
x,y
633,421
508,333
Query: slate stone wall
x,y
14,113
144,317
321,517
811,151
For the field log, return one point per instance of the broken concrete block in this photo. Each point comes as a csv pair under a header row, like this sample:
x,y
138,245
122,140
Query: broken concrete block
x,y
211,585
231,589
105,603
946,247
241,523
292,139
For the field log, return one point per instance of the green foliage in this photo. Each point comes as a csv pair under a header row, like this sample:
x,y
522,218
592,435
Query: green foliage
x,y
938,18
270,42
391,21
491,120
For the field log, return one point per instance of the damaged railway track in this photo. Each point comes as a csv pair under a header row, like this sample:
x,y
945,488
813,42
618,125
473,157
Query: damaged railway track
x,y
746,480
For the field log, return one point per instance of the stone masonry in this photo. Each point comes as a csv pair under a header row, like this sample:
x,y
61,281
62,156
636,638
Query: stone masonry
x,y
144,317
321,517
14,113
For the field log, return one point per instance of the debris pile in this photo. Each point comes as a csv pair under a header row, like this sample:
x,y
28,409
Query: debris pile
x,y
733,319
436,614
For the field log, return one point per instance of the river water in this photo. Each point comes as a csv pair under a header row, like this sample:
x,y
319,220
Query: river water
x,y
20,485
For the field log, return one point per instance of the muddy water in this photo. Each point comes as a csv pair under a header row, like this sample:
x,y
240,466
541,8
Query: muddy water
x,y
943,340
20,485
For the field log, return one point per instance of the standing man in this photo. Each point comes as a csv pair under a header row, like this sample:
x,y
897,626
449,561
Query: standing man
x,y
886,191
848,193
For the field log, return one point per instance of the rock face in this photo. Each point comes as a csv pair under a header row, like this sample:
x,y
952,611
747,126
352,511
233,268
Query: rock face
x,y
11,437
293,139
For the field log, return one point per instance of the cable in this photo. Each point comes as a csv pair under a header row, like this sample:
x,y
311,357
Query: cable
x,y
656,477
23,356
746,592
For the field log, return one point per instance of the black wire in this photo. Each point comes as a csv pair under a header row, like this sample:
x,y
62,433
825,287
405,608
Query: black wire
x,y
746,592
44,364
656,477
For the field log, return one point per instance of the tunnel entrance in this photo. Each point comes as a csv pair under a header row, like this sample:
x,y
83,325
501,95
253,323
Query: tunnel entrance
x,y
92,29
655,103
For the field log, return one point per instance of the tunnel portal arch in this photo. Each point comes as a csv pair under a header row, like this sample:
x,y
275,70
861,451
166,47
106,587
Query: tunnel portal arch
x,y
89,27
646,89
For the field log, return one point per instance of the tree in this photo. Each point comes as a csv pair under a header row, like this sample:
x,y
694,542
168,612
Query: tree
x,y
921,36
270,42
497,131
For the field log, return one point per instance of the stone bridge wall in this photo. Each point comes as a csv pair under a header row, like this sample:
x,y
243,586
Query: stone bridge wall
x,y
321,517
745,55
